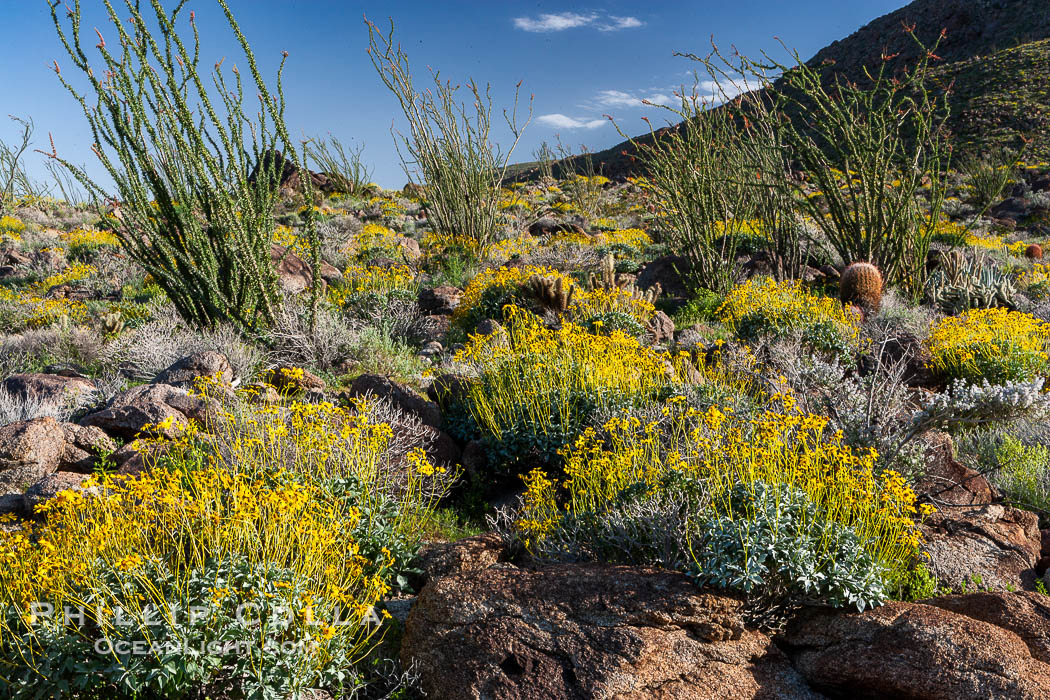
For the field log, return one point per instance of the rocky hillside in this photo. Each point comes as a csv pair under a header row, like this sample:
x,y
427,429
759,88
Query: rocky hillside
x,y
995,55
973,28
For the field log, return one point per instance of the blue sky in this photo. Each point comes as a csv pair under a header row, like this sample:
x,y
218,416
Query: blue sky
x,y
580,61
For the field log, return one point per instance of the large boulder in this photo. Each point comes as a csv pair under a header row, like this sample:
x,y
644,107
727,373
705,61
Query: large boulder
x,y
33,450
913,651
1025,613
150,409
50,486
37,444
295,274
667,272
400,396
440,559
974,542
439,301
993,546
289,380
946,482
660,329
48,388
548,227
587,631
185,372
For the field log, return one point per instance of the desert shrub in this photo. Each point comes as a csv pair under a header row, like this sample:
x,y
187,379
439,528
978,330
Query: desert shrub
x,y
35,350
612,306
30,310
770,309
777,505
1016,461
15,183
536,387
379,297
197,175
292,340
11,228
491,290
281,554
296,518
19,407
375,241
988,175
775,542
142,351
994,345
449,145
375,352
354,448
1024,475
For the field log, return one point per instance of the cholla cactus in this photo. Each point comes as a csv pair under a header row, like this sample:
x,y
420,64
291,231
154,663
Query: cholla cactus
x,y
960,286
861,285
608,279
112,323
550,293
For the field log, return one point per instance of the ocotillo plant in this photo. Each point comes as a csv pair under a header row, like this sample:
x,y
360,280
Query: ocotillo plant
x,y
695,169
449,143
195,192
868,148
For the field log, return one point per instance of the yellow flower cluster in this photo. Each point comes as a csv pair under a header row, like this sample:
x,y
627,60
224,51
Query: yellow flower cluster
x,y
11,228
74,273
1037,280
993,344
377,238
513,201
509,248
785,305
588,303
388,207
988,242
89,238
373,279
725,451
176,521
38,312
503,278
633,237
537,375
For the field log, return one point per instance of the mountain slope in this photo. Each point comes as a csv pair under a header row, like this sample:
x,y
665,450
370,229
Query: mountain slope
x,y
995,54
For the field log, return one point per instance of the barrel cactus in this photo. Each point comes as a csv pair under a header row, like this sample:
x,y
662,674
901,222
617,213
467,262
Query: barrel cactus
x,y
1034,252
861,285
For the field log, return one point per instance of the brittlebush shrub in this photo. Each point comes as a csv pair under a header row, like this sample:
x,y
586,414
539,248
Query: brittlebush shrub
x,y
993,345
138,547
305,514
493,289
780,506
772,309
536,387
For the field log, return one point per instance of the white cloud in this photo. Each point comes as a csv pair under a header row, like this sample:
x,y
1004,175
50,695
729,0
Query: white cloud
x,y
557,22
619,98
560,121
617,23
554,22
